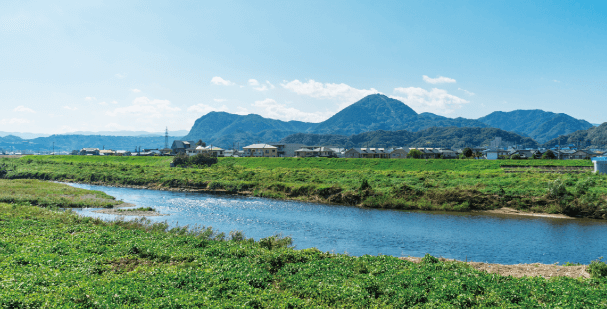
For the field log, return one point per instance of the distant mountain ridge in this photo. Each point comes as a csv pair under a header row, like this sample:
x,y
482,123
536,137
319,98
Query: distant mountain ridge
x,y
592,137
432,137
537,124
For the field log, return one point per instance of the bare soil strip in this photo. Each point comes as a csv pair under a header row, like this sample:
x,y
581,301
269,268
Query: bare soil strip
x,y
522,270
129,213
512,211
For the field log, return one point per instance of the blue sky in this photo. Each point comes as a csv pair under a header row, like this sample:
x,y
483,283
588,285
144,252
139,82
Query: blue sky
x,y
144,65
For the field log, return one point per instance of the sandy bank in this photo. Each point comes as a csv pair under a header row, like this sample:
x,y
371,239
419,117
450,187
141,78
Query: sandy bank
x,y
512,211
523,270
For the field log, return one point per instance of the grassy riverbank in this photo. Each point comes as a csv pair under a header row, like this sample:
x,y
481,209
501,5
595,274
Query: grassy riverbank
x,y
457,185
51,259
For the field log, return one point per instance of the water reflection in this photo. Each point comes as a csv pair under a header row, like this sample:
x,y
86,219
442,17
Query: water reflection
x,y
485,238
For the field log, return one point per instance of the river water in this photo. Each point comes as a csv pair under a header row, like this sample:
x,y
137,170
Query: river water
x,y
475,237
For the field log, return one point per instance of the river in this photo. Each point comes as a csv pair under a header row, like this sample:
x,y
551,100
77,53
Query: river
x,y
476,237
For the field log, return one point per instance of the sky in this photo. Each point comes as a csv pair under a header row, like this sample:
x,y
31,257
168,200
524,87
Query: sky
x,y
145,65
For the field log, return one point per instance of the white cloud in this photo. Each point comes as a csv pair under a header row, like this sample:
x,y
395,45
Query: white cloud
x,y
253,82
70,108
149,108
102,103
203,109
272,109
219,100
260,87
470,93
120,76
270,84
136,90
14,121
90,99
114,102
23,109
435,101
328,90
220,81
438,80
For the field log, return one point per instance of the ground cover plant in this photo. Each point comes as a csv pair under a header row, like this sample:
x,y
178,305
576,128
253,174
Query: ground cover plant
x,y
49,194
51,259
450,185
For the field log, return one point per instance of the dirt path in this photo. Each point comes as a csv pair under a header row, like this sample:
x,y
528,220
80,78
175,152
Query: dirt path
x,y
523,270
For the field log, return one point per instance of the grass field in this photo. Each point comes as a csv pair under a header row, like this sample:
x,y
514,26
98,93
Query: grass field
x,y
458,185
52,259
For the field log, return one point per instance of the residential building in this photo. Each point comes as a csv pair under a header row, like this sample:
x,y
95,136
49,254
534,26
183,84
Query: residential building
x,y
210,150
124,153
89,152
380,153
182,146
107,152
286,150
494,154
315,152
260,150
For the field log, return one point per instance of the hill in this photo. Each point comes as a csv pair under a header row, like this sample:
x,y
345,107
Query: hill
x,y
593,137
432,137
77,142
379,112
537,124
224,129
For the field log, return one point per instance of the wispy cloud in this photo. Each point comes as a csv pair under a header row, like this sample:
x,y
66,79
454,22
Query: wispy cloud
x,y
259,86
70,108
14,121
556,81
90,99
319,90
470,93
23,109
219,100
438,80
136,90
120,76
203,109
435,101
114,102
103,103
220,81
253,82
143,106
272,109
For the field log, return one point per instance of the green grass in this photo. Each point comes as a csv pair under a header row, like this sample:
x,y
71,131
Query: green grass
x,y
450,185
48,194
51,259
137,209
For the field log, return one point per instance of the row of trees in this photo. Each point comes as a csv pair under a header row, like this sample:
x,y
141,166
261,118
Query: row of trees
x,y
469,153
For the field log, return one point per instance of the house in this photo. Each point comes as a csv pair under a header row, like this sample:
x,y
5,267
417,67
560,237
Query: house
x,y
107,152
494,154
575,154
399,153
526,153
315,152
448,154
89,152
429,153
210,150
380,153
260,150
182,146
124,153
286,150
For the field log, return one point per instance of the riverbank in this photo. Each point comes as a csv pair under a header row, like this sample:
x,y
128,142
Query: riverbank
x,y
546,271
59,259
443,185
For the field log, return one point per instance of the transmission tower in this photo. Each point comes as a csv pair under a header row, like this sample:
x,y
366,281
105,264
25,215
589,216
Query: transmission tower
x,y
166,138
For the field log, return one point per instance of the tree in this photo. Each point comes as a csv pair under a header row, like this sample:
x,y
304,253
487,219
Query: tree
x,y
201,143
549,155
467,152
515,156
414,153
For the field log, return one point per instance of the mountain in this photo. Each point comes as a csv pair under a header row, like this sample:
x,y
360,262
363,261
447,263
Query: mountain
x,y
593,137
129,133
23,135
537,124
77,142
379,112
432,137
224,129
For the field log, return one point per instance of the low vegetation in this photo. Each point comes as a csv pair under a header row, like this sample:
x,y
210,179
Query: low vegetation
x,y
450,185
136,209
51,259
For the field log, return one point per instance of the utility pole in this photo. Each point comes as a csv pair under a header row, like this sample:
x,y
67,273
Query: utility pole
x,y
53,148
166,138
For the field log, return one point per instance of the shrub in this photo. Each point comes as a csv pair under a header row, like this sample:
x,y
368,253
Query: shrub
x,y
364,185
583,185
515,156
414,153
549,155
181,159
203,159
598,268
428,259
467,152
557,188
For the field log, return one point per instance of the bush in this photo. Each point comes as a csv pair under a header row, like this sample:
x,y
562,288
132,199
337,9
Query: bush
x,y
557,188
598,268
515,156
467,152
200,159
414,153
549,155
364,185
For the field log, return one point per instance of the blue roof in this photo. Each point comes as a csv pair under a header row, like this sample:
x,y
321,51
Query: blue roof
x,y
599,159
